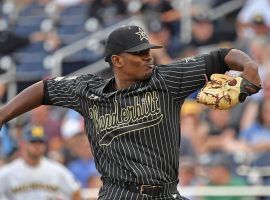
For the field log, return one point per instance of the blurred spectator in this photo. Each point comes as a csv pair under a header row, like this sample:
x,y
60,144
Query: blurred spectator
x,y
187,172
220,129
32,176
94,181
220,174
72,124
252,106
253,20
259,25
251,9
188,51
260,167
55,150
162,11
205,32
52,42
107,12
193,131
160,34
10,42
259,50
188,175
82,166
51,121
78,158
257,136
8,144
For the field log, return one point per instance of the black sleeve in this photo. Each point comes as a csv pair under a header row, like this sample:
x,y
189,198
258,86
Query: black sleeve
x,y
215,62
45,100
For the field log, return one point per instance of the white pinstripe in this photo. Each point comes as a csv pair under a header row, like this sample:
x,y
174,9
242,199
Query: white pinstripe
x,y
172,142
156,159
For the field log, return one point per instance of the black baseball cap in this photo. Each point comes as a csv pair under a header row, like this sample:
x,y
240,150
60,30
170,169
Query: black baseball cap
x,y
127,39
33,133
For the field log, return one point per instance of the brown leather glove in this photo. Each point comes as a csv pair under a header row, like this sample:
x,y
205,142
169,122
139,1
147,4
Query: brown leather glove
x,y
224,92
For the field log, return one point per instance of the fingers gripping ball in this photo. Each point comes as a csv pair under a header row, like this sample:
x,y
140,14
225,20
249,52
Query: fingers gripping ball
x,y
224,92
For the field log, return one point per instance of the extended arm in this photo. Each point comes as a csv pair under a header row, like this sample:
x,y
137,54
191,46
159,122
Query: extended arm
x,y
28,99
240,61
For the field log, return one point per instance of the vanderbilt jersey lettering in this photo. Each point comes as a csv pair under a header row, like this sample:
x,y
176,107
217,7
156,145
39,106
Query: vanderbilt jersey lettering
x,y
134,132
130,118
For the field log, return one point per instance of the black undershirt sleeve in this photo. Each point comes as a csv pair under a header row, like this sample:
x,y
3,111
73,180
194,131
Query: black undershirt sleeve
x,y
45,100
215,62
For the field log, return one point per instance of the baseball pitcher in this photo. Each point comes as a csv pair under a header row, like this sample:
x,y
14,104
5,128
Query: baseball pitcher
x,y
132,119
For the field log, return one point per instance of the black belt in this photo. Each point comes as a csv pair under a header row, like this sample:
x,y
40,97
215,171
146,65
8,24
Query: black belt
x,y
152,190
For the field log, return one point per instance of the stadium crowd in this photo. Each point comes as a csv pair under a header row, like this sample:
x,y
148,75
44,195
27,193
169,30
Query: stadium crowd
x,y
218,147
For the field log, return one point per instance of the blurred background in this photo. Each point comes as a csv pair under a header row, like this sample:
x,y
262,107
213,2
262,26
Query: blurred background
x,y
48,38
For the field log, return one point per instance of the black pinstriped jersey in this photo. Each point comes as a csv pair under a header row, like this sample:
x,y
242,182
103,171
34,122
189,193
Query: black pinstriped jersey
x,y
134,132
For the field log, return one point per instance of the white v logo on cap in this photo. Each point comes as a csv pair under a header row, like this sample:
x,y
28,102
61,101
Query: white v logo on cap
x,y
127,39
142,34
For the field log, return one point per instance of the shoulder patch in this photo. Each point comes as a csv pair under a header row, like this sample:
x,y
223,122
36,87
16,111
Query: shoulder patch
x,y
189,59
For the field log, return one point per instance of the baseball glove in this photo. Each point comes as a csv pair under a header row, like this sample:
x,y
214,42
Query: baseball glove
x,y
224,92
